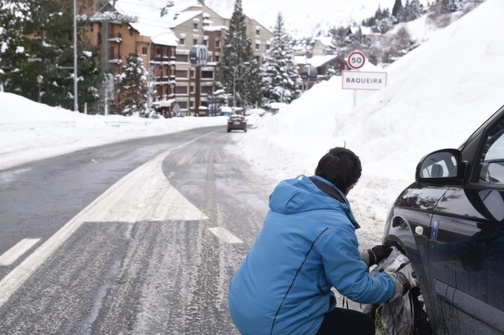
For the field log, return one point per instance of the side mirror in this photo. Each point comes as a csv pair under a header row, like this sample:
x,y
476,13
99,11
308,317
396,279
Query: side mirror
x,y
440,165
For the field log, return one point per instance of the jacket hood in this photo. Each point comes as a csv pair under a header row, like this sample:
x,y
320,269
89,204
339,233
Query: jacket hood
x,y
301,194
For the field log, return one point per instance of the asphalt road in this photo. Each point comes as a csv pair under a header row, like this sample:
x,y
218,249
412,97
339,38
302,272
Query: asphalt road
x,y
137,237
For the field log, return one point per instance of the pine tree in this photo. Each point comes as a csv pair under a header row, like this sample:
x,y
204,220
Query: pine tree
x,y
132,87
13,54
238,70
449,6
397,9
280,76
47,46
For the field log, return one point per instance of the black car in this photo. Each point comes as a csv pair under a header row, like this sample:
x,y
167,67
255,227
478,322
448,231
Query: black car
x,y
450,224
237,122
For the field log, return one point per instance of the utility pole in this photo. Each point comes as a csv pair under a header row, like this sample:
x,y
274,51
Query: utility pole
x,y
76,101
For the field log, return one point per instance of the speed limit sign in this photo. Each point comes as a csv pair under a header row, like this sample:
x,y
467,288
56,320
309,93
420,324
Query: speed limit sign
x,y
356,60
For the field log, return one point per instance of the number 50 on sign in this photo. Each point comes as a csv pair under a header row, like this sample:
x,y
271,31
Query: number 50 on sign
x,y
356,60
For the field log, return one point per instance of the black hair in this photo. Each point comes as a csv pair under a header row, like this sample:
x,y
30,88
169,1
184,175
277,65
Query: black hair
x,y
340,166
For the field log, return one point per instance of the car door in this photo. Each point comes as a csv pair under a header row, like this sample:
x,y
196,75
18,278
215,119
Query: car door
x,y
466,245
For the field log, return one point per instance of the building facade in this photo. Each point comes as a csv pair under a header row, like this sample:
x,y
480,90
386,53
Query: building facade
x,y
200,25
164,43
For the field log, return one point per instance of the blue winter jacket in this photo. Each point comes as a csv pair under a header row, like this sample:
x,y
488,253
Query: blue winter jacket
x,y
306,246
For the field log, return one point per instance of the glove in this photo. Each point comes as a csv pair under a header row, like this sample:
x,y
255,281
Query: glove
x,y
376,254
405,279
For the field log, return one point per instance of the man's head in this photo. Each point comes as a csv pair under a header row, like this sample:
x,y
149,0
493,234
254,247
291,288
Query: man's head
x,y
341,167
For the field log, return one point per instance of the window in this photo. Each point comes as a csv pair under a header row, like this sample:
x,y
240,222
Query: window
x,y
182,58
207,89
181,73
180,89
182,41
207,74
217,58
144,51
217,43
491,163
195,26
257,46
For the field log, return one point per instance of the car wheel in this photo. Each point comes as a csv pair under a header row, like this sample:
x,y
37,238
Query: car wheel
x,y
229,130
245,130
421,324
389,317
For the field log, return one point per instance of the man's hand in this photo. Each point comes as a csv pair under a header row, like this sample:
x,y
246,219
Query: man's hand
x,y
376,254
405,279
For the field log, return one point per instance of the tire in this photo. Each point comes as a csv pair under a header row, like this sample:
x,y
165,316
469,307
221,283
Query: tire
x,y
421,324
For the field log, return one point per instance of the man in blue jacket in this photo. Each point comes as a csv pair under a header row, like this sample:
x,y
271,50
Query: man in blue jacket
x,y
307,246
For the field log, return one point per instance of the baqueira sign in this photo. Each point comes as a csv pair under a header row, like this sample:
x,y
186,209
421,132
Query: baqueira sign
x,y
360,80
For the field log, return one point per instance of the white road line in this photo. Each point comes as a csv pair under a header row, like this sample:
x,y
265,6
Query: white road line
x,y
11,255
225,235
143,195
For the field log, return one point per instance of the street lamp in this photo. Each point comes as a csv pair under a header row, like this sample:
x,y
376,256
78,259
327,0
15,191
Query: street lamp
x,y
40,78
76,102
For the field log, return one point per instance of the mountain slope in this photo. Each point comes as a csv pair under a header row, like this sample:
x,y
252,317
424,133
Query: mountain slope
x,y
302,18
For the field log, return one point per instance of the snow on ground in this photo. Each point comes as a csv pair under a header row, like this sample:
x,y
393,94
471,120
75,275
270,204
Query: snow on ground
x,y
436,96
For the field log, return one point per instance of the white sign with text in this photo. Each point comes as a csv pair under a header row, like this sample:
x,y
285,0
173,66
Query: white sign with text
x,y
361,80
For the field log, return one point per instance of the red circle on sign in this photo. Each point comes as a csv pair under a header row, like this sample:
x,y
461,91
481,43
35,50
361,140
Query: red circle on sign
x,y
356,60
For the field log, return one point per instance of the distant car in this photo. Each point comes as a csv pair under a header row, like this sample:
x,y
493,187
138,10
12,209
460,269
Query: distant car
x,y
450,224
237,122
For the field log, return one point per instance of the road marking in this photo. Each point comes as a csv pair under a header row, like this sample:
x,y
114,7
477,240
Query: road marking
x,y
11,255
143,195
225,235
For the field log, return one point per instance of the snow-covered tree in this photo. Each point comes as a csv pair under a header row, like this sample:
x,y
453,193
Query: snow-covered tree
x,y
411,11
132,87
13,55
280,77
451,5
238,69
44,47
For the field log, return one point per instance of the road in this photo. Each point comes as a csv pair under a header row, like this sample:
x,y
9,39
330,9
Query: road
x,y
137,237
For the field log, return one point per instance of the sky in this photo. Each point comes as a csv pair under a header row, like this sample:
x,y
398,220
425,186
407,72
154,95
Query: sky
x,y
435,97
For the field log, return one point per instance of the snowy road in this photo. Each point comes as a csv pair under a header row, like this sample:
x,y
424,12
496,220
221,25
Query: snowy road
x,y
154,253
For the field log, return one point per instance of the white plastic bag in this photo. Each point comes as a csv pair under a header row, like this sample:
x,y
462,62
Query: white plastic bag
x,y
396,317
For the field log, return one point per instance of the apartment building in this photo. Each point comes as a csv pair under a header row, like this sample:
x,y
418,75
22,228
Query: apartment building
x,y
164,42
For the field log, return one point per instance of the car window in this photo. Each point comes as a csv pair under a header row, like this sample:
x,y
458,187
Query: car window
x,y
491,162
236,118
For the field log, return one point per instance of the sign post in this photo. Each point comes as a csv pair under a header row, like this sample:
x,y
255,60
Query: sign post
x,y
360,80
